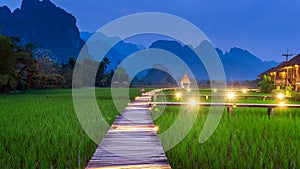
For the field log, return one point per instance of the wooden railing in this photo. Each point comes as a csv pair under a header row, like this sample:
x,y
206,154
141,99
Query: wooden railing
x,y
222,96
229,106
280,82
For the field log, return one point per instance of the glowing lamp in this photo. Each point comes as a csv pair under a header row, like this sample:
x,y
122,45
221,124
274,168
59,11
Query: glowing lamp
x,y
156,128
230,95
280,96
178,95
193,102
244,90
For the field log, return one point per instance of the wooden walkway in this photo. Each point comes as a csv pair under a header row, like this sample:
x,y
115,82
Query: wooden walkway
x,y
132,140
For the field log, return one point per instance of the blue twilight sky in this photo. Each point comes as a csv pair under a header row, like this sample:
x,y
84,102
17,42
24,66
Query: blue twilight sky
x,y
266,28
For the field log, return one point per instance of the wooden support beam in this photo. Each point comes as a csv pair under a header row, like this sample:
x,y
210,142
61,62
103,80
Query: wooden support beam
x,y
270,110
229,110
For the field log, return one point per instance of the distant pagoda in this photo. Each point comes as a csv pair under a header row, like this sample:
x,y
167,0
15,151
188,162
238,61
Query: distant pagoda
x,y
185,81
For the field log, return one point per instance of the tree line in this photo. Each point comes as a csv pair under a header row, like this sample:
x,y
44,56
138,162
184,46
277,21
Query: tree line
x,y
21,68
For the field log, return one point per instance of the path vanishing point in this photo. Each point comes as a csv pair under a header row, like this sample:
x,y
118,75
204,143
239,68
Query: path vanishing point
x,y
132,140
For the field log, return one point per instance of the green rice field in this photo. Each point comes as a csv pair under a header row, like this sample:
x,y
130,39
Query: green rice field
x,y
245,139
40,129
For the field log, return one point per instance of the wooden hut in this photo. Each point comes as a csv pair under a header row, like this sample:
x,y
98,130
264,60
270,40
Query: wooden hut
x,y
285,74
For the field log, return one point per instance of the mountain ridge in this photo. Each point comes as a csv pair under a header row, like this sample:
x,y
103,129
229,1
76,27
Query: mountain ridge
x,y
55,29
235,61
44,23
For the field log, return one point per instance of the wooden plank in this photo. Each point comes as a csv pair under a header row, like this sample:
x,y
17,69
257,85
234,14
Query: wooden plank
x,y
132,140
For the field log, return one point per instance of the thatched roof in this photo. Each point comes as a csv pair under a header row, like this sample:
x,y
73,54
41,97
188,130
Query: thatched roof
x,y
185,79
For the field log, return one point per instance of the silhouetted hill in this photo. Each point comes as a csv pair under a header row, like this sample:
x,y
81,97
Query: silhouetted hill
x,y
241,64
153,77
117,53
42,22
238,64
85,35
184,53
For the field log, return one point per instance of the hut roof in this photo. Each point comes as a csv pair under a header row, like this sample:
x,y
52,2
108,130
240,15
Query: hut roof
x,y
292,62
185,79
260,76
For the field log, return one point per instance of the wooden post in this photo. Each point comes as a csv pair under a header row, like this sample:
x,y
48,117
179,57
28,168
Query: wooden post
x,y
270,110
152,98
229,110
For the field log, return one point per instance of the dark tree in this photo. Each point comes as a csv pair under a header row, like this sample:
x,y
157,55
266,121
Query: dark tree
x,y
10,55
103,79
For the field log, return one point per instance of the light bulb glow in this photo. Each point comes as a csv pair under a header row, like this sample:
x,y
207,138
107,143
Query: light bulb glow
x,y
178,95
244,90
230,95
280,96
193,102
156,128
